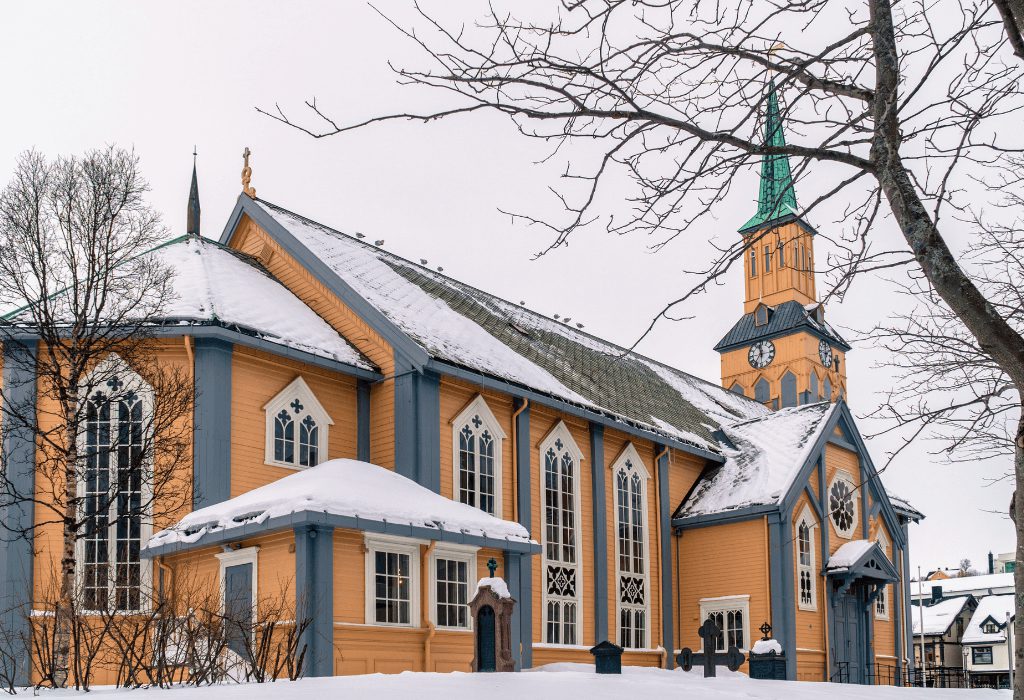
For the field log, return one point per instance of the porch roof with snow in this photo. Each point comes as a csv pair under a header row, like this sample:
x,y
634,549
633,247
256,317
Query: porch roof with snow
x,y
439,323
342,493
861,559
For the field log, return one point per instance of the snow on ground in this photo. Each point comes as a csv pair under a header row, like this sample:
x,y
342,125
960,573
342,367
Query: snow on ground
x,y
368,491
553,682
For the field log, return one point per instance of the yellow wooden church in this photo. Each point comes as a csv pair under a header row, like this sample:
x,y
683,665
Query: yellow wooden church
x,y
369,433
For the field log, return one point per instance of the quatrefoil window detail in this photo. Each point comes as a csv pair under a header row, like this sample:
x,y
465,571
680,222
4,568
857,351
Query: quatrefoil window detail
x,y
842,508
296,427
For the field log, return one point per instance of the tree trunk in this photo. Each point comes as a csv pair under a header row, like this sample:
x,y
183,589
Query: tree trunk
x,y
66,607
1017,658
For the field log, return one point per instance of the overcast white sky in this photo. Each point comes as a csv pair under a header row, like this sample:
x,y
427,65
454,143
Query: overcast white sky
x,y
162,77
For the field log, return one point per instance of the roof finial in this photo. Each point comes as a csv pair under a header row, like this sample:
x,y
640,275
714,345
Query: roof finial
x,y
192,222
247,174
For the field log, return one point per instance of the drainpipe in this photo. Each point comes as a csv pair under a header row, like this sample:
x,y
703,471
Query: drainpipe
x,y
170,577
425,604
657,522
188,351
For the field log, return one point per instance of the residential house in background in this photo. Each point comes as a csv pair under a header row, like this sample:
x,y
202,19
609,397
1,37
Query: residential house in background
x,y
987,642
939,627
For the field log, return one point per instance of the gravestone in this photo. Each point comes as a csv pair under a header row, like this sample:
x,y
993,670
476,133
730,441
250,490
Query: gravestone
x,y
709,658
491,609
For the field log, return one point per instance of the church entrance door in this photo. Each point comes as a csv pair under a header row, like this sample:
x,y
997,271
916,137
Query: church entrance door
x,y
849,637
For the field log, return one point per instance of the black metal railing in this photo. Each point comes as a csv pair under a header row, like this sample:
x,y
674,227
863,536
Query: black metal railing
x,y
893,675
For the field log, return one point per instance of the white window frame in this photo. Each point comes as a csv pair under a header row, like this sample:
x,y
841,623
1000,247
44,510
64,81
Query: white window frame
x,y
561,432
724,605
110,365
806,517
630,455
883,543
452,552
478,407
296,389
237,557
374,543
843,475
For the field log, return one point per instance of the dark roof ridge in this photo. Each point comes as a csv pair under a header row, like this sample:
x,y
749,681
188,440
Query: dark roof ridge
x,y
537,314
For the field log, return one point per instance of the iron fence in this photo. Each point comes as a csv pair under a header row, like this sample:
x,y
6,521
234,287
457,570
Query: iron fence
x,y
891,674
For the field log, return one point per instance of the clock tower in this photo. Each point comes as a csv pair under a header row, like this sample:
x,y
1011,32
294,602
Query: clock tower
x,y
781,352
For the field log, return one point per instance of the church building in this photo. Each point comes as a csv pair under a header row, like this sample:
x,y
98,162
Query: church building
x,y
369,433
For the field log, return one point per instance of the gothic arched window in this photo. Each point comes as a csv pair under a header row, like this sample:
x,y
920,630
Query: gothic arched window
x,y
882,600
476,441
560,463
114,490
630,478
828,389
788,390
815,392
296,433
807,594
762,390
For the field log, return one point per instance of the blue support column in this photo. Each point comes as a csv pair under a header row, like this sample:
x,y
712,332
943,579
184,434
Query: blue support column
x,y
418,427
782,593
211,447
363,420
17,513
788,595
524,475
314,596
665,513
513,576
907,620
597,474
897,613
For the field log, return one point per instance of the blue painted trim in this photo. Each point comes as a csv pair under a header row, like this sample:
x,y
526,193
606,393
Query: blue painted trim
x,y
665,514
524,476
812,499
418,428
513,576
314,595
405,348
597,480
842,443
211,442
340,522
897,615
907,620
238,336
729,516
789,595
363,420
777,585
16,507
572,409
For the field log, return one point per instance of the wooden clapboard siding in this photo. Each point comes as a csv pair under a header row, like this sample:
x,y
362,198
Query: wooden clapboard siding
x,y
723,560
840,459
455,395
884,637
256,378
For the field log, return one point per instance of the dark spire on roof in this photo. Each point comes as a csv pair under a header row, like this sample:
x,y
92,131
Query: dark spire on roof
x,y
192,226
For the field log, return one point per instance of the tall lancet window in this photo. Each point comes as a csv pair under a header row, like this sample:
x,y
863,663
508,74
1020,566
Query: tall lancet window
x,y
632,569
882,600
806,576
113,489
296,432
560,459
477,439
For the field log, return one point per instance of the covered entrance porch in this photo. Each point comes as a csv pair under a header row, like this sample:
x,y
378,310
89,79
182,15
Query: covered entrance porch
x,y
857,574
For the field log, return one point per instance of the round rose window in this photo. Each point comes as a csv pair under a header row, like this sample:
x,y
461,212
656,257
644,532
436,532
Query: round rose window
x,y
841,505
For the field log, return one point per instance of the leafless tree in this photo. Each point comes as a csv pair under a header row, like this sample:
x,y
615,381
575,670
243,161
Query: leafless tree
x,y
658,102
103,424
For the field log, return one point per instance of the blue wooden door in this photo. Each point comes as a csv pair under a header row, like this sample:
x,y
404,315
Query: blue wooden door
x,y
849,637
238,605
485,653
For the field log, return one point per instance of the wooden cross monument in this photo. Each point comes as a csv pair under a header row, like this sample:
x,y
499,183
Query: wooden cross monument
x,y
709,658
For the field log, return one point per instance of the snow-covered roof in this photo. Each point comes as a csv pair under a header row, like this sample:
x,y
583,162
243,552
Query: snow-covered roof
x,y
464,326
976,585
767,456
214,284
342,487
903,506
496,584
938,617
996,607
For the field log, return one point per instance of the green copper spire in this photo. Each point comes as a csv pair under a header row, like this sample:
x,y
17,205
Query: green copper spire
x,y
777,198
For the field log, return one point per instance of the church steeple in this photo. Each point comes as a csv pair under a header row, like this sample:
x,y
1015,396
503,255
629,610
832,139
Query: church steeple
x,y
192,225
776,200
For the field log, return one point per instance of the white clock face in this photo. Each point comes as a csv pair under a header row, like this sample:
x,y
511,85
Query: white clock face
x,y
825,353
761,354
